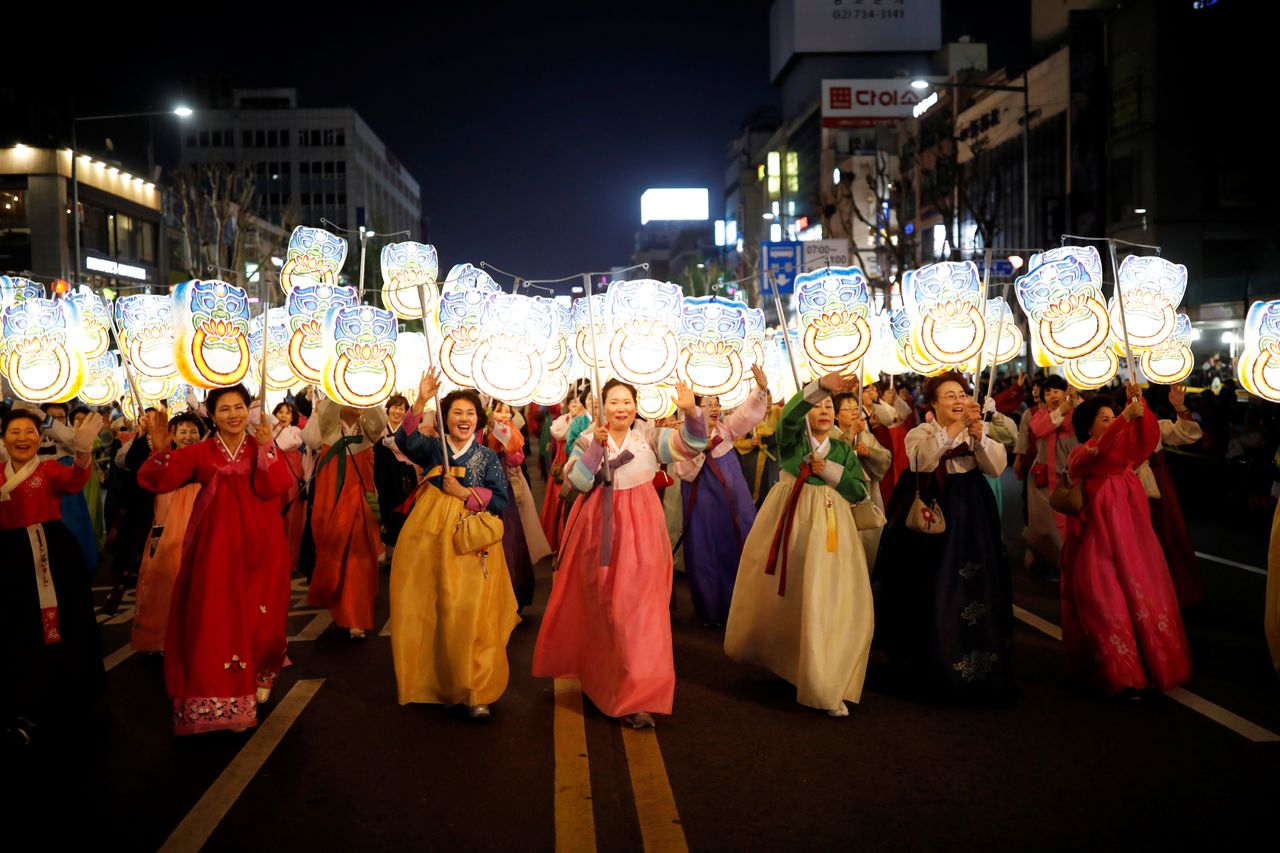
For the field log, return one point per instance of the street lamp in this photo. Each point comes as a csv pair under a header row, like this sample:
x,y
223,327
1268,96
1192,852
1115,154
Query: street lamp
x,y
921,84
181,111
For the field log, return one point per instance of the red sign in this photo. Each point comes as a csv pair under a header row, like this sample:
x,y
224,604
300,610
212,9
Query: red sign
x,y
841,97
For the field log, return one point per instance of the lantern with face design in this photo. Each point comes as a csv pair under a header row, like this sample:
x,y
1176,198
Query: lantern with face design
x,y
1258,367
38,348
467,291
509,363
95,322
901,325
645,316
752,355
359,347
1010,343
280,376
1061,294
944,302
834,305
315,257
583,341
211,332
308,305
1093,370
1153,289
1171,361
103,380
405,266
14,290
713,335
655,402
145,323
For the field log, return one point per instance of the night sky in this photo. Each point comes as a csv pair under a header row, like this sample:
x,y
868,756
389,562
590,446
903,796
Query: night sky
x,y
532,128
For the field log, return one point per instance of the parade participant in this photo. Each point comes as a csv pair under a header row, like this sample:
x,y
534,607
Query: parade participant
x,y
718,510
551,518
52,650
758,456
1166,511
130,524
293,506
888,425
97,475
56,444
1121,627
802,601
162,556
945,609
872,456
348,547
394,475
523,543
607,622
1024,448
228,615
452,611
1054,438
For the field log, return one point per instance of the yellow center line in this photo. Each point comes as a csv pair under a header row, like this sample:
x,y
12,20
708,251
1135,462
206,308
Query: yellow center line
x,y
1182,696
204,817
655,803
575,821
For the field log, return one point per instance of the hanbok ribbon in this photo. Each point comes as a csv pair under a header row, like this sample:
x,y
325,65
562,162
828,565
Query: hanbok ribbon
x,y
782,537
457,471
44,585
606,526
724,484
14,477
339,447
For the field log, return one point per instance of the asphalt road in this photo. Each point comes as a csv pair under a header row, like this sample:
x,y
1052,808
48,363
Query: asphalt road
x,y
338,765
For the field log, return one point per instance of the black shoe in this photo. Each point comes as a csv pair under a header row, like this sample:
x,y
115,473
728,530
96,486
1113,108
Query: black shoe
x,y
113,600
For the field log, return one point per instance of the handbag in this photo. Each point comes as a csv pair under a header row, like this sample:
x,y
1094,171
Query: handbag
x,y
1148,480
476,531
925,518
1040,474
1069,500
867,516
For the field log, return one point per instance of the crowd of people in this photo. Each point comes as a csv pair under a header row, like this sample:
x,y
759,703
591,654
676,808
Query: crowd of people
x,y
811,530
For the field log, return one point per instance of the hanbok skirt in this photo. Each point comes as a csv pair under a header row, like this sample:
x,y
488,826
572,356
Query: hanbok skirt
x,y
348,544
715,530
161,561
1171,529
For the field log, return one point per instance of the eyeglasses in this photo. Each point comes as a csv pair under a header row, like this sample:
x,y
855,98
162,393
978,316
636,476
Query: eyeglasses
x,y
953,397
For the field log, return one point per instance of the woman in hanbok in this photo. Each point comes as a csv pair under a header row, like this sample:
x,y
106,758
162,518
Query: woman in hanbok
x,y
523,542
75,508
945,608
718,510
52,650
1166,512
293,506
758,455
228,616
1121,626
162,556
348,544
394,475
97,475
1054,437
558,429
607,623
451,612
802,601
874,458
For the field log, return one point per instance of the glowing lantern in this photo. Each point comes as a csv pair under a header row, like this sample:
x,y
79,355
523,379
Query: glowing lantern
x,y
559,359
211,333
14,290
177,400
752,355
583,341
1170,361
645,317
405,266
901,326
38,348
655,402
713,335
314,257
1258,367
359,363
1093,370
103,380
508,363
1152,288
1062,296
466,292
944,302
280,376
1011,341
95,322
308,305
145,323
834,304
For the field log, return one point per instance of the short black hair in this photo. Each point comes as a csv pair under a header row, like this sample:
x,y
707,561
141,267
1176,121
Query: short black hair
x,y
1056,382
189,418
482,419
211,401
617,383
397,400
935,382
20,415
838,400
1086,413
293,412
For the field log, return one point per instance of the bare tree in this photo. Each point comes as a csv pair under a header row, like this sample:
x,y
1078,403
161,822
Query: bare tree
x,y
982,193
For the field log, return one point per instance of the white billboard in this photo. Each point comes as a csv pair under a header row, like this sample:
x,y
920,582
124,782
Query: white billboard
x,y
852,26
669,204
867,103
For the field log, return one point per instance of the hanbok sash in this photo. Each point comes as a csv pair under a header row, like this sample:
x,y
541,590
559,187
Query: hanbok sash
x,y
724,485
44,585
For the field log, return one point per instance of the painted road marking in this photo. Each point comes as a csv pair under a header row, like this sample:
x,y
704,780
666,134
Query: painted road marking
x,y
575,820
1182,696
386,630
1227,562
314,628
204,817
118,657
655,803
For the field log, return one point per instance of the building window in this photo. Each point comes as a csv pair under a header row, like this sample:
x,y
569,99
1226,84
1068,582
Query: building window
x,y
124,237
204,138
147,240
342,167
260,139
341,136
342,199
304,168
328,168
315,137
191,140
246,138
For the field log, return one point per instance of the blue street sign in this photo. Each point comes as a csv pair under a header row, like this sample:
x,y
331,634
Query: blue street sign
x,y
784,261
998,267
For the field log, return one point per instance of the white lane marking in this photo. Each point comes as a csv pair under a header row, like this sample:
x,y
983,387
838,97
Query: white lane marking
x,y
204,817
386,630
1227,562
314,628
1182,696
117,657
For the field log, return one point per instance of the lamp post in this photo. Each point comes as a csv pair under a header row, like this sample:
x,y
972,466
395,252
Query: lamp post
x,y
1026,135
180,112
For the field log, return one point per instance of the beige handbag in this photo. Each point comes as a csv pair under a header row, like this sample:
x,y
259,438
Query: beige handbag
x,y
866,515
924,518
1069,500
1148,479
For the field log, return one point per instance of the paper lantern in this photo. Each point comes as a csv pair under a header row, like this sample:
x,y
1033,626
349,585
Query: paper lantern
x,y
280,376
95,322
14,290
308,305
655,402
901,326
752,355
1153,289
645,317
944,302
508,364
466,292
211,333
1064,302
177,403
38,347
834,305
1010,343
584,341
1258,366
1093,370
359,355
1171,361
103,380
405,266
315,257
713,335
561,351
145,323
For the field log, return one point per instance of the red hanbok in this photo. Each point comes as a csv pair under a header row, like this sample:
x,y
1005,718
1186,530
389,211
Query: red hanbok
x,y
230,606
551,516
1121,626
